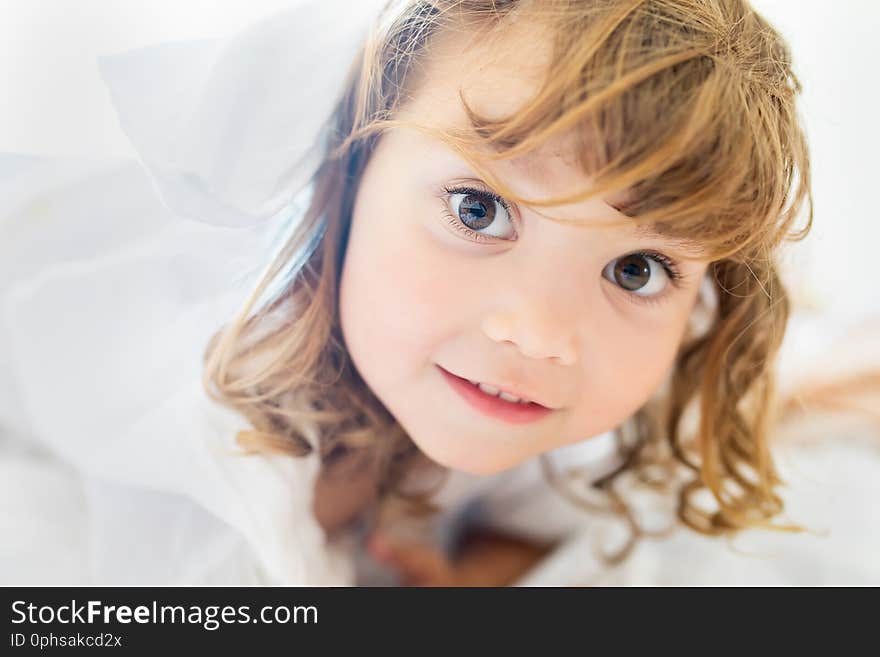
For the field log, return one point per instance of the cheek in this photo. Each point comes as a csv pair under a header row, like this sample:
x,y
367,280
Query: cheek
x,y
641,359
396,303
633,361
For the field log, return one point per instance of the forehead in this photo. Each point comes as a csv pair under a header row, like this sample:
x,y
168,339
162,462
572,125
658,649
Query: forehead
x,y
497,74
497,71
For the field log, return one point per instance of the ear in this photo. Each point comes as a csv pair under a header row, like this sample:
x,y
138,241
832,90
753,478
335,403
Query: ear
x,y
705,307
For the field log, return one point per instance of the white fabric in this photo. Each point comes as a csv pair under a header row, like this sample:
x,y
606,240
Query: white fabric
x,y
108,298
115,468
104,354
232,129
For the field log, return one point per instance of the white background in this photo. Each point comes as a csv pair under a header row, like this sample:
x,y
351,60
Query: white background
x,y
54,103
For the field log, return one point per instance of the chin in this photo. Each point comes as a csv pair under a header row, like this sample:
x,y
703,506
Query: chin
x,y
483,470
462,463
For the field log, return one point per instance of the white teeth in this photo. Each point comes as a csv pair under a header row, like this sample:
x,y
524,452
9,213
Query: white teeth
x,y
497,393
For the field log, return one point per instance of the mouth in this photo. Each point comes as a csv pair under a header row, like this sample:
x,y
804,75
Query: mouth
x,y
512,411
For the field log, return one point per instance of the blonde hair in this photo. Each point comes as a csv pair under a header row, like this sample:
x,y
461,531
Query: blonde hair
x,y
687,106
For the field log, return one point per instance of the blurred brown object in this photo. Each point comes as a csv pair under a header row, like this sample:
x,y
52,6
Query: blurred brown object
x,y
845,379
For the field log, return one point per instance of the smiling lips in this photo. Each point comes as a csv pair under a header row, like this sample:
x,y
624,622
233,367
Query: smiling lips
x,y
491,390
494,403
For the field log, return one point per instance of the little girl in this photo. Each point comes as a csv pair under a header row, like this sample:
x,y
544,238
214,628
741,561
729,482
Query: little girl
x,y
529,232
521,203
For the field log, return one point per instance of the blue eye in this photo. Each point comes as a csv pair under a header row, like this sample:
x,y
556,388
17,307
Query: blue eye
x,y
646,276
479,214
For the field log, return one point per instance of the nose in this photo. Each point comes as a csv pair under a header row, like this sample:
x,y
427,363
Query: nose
x,y
539,301
535,337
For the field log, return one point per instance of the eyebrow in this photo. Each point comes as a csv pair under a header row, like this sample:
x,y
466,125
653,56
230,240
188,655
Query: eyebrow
x,y
660,231
655,230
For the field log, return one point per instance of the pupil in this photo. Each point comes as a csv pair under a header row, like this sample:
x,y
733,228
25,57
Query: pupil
x,y
632,272
475,213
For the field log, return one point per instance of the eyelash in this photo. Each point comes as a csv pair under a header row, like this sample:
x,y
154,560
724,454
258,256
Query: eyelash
x,y
456,223
672,271
668,264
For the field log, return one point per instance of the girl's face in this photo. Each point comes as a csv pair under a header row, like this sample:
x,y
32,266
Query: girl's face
x,y
437,284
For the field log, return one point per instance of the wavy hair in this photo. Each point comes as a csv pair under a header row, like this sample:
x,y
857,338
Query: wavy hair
x,y
685,107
